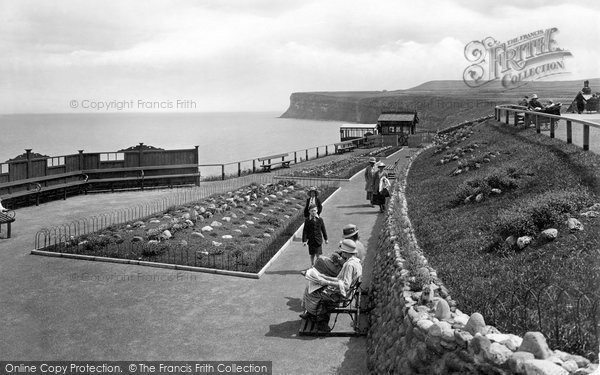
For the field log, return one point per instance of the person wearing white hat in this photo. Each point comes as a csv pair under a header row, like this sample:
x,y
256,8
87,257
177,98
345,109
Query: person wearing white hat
x,y
324,292
535,103
381,186
369,170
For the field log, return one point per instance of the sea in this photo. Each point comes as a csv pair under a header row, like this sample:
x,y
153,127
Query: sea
x,y
221,137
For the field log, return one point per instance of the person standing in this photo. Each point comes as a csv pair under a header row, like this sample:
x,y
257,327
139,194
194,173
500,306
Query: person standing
x,y
369,170
314,233
313,199
381,184
580,101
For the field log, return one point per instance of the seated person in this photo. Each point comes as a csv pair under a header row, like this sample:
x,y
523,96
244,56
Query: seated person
x,y
535,103
525,101
2,209
324,292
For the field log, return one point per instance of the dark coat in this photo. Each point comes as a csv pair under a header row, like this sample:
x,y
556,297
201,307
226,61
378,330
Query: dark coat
x,y
317,202
314,232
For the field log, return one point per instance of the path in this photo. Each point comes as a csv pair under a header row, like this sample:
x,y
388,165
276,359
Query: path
x,y
80,310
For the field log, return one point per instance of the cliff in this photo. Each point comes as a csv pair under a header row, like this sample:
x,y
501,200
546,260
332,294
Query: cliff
x,y
439,103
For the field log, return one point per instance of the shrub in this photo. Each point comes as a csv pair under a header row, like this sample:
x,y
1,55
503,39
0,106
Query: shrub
x,y
541,212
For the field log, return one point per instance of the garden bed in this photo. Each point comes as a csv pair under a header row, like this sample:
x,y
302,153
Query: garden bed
x,y
237,231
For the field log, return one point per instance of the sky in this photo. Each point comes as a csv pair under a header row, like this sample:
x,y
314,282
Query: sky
x,y
233,55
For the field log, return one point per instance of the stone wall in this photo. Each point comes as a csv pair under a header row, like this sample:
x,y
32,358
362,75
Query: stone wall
x,y
416,327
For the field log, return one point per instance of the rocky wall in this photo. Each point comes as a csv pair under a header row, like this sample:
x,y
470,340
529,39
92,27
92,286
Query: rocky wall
x,y
416,327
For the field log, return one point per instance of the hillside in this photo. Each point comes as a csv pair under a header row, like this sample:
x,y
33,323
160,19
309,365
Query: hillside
x,y
484,187
439,103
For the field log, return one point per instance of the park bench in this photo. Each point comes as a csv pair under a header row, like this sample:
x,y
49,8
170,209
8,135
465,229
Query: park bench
x,y
390,170
37,187
351,305
140,174
343,147
7,219
266,163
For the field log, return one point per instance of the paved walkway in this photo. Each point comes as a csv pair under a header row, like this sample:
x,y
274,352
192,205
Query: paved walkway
x,y
80,310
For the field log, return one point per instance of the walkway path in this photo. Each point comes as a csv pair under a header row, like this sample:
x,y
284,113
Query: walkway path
x,y
80,310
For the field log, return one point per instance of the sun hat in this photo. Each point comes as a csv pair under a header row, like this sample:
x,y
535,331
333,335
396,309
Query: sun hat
x,y
534,96
381,165
313,189
349,230
348,246
372,160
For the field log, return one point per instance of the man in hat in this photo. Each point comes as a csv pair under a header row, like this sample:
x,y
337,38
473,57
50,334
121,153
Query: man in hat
x,y
369,170
323,292
525,101
314,233
535,103
350,232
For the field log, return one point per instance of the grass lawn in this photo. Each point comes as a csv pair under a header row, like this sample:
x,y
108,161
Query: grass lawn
x,y
462,221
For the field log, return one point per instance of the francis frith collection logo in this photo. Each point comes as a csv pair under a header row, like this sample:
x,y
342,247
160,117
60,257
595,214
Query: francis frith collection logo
x,y
526,58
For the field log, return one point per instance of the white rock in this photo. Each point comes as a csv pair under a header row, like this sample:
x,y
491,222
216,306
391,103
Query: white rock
x,y
496,191
207,228
226,218
197,234
216,244
499,353
237,231
590,214
227,236
461,318
152,242
542,367
522,242
167,234
479,197
155,221
574,224
266,235
249,222
511,240
550,234
216,224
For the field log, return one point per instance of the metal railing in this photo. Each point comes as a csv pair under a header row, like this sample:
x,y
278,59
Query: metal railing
x,y
569,318
518,115
240,168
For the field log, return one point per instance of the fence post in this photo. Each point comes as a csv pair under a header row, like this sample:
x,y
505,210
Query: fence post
x,y
537,124
326,150
306,154
506,121
295,158
516,118
253,166
552,123
586,137
223,172
239,169
28,165
569,132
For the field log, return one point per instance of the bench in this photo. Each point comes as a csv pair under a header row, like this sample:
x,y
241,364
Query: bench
x,y
266,163
6,219
40,190
343,147
390,170
351,306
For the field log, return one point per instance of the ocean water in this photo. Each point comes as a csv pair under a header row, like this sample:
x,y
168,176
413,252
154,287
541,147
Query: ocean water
x,y
221,137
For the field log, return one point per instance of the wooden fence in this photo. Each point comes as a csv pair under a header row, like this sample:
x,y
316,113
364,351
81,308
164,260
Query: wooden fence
x,y
516,115
33,178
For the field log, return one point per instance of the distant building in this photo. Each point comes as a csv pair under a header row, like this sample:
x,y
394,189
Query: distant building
x,y
395,127
354,131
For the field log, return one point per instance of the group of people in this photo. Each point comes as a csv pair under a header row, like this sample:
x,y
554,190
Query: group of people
x,y
586,100
329,278
377,184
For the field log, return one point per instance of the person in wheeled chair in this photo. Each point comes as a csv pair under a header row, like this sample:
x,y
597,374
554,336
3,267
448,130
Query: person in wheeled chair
x,y
323,293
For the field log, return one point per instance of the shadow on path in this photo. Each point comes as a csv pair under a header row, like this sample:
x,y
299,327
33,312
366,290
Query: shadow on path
x,y
288,330
353,358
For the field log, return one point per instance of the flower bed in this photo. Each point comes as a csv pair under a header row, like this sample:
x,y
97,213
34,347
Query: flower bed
x,y
344,168
238,230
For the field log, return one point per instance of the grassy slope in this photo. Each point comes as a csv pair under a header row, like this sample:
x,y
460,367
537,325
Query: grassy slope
x,y
455,238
